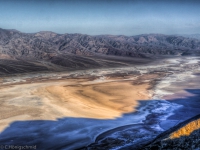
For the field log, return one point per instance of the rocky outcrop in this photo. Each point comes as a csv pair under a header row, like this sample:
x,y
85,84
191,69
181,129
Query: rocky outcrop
x,y
182,136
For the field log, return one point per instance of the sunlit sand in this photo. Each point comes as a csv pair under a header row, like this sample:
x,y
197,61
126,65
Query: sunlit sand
x,y
106,99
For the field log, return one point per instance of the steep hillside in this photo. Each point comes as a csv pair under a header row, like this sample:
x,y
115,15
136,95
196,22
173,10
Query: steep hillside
x,y
183,136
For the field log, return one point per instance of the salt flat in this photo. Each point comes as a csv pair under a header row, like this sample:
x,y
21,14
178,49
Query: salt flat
x,y
80,105
71,98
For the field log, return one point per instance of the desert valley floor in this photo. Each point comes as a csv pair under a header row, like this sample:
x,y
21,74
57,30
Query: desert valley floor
x,y
113,108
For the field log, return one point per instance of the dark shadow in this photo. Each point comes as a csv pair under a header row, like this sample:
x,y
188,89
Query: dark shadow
x,y
133,128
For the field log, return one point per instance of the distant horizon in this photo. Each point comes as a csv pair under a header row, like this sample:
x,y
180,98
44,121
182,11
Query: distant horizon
x,y
99,34
100,17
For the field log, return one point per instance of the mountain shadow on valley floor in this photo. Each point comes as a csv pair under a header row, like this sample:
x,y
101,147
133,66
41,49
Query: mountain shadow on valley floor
x,y
131,130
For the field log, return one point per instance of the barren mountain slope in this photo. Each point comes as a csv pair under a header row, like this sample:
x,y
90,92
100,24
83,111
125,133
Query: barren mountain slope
x,y
47,45
44,51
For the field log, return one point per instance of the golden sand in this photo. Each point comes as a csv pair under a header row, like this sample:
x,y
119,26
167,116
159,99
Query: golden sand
x,y
70,98
102,101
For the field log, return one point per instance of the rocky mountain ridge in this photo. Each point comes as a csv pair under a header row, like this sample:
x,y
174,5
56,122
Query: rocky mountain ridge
x,y
46,50
48,45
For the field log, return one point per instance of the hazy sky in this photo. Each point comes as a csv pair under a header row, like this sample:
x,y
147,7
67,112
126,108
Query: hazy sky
x,y
94,17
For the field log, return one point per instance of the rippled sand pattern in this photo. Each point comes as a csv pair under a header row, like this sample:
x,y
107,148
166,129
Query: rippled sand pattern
x,y
103,101
70,98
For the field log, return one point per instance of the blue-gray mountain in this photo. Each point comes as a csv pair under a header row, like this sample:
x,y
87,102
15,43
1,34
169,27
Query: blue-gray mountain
x,y
78,51
48,44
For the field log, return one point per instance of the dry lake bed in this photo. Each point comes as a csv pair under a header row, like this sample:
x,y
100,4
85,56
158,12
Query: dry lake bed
x,y
89,109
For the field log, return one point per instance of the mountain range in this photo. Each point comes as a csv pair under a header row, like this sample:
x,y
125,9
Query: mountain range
x,y
48,50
